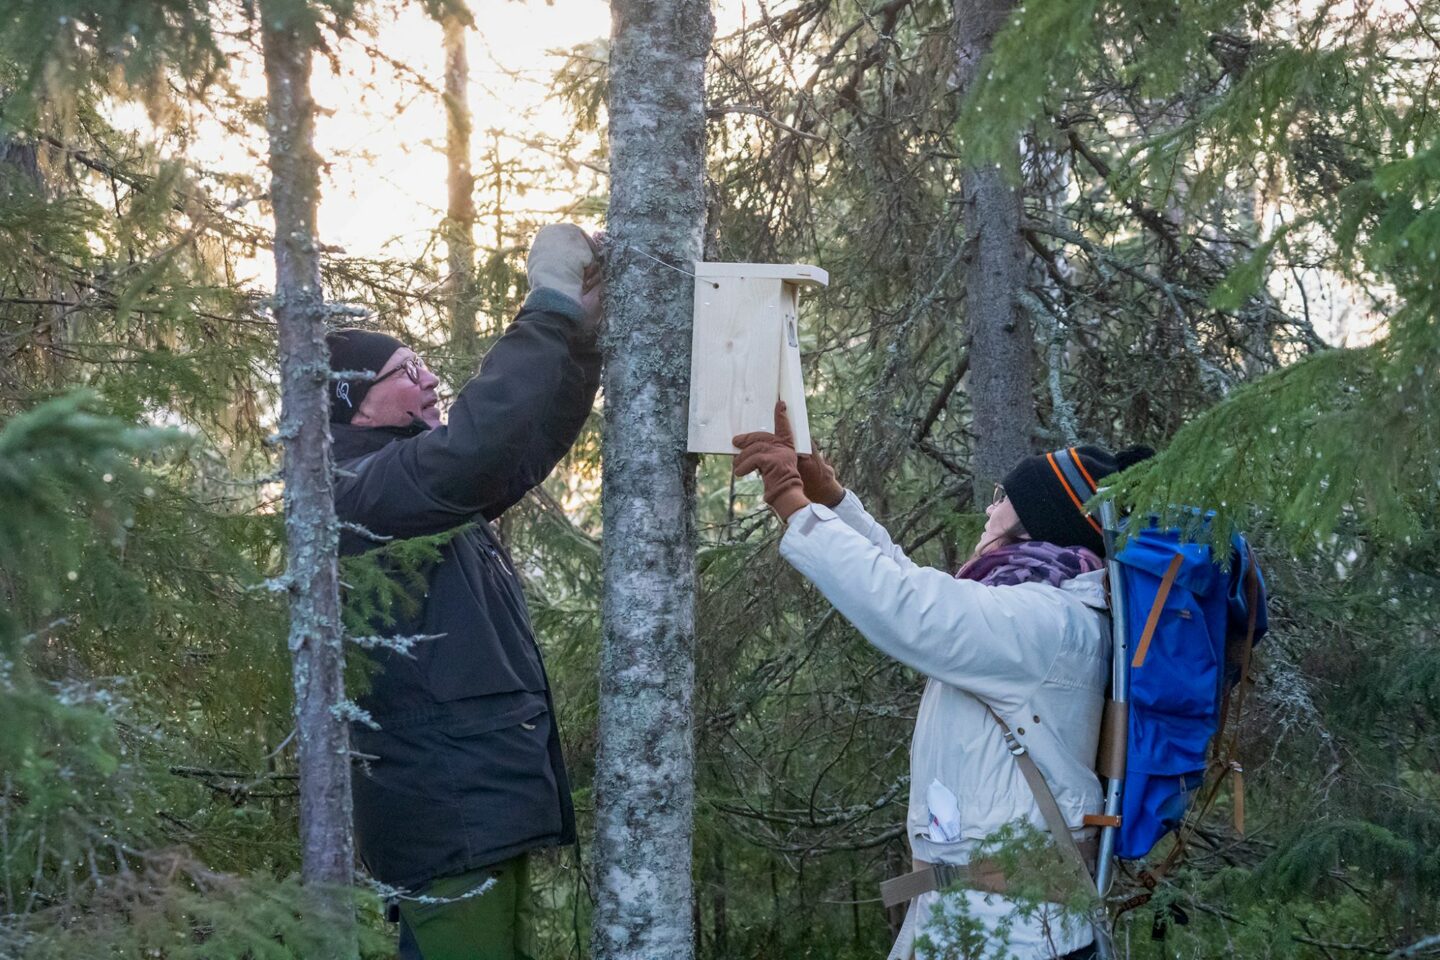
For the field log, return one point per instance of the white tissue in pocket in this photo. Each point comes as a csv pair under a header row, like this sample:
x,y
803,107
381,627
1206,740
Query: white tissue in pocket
x,y
944,812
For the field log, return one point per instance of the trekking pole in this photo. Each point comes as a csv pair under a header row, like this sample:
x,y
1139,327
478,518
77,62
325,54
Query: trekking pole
x,y
1117,710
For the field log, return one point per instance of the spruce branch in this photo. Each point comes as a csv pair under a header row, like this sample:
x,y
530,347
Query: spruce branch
x,y
351,712
44,631
721,109
942,397
1423,945
387,892
364,532
404,645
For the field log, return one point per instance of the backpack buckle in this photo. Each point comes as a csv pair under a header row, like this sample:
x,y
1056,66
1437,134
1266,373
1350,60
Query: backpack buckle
x,y
948,875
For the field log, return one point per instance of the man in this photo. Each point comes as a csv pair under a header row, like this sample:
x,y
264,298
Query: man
x,y
464,775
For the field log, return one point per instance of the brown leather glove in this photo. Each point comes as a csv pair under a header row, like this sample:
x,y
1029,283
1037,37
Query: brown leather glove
x,y
773,454
821,484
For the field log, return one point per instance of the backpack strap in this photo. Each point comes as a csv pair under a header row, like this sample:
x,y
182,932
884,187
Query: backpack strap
x,y
1152,621
1049,809
1224,754
1242,656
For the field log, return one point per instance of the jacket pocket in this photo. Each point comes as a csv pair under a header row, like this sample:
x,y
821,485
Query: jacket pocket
x,y
981,814
408,827
504,774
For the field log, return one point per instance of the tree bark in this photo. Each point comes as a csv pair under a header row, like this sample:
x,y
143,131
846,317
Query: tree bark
x,y
1001,343
1046,173
460,212
326,844
721,919
644,777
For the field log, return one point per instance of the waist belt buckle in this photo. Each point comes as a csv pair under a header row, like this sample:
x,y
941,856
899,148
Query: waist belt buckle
x,y
948,875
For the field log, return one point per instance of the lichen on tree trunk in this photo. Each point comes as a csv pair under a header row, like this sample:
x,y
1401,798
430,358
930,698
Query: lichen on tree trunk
x,y
645,770
311,531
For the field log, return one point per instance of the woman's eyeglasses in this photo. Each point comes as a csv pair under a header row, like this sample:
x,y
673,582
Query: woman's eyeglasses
x,y
999,495
412,367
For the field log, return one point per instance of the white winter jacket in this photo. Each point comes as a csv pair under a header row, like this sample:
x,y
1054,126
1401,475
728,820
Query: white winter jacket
x,y
1037,654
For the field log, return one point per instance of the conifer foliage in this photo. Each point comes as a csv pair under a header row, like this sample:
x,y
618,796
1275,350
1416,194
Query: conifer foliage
x,y
147,802
1221,236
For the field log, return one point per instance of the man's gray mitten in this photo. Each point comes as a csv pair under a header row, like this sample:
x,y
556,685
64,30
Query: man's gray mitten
x,y
558,257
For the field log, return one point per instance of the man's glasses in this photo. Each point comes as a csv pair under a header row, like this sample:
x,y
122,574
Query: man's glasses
x,y
1000,494
412,367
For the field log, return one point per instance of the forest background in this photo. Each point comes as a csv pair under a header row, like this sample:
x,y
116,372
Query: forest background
x,y
1218,235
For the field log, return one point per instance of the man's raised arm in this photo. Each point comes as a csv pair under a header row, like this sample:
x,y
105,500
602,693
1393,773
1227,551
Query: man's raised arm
x,y
509,425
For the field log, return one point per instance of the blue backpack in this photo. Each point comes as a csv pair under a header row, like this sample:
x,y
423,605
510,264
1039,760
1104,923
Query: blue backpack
x,y
1190,625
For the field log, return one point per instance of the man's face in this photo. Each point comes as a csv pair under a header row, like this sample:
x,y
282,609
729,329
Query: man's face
x,y
396,398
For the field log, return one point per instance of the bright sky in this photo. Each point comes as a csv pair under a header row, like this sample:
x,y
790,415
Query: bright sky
x,y
398,191
383,138
382,134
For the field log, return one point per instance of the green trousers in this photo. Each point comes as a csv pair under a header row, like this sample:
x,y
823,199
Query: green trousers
x,y
498,924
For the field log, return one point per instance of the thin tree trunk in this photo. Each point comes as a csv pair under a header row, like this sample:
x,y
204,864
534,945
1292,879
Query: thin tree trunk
x,y
644,776
1254,317
1001,373
326,845
22,159
1046,173
721,919
460,214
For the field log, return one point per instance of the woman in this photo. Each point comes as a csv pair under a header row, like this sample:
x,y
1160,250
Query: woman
x,y
1022,630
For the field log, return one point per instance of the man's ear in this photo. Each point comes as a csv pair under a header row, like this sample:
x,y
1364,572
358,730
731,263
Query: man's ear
x,y
361,417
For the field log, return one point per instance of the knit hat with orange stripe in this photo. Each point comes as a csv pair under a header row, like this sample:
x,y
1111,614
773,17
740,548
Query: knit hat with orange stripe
x,y
1049,492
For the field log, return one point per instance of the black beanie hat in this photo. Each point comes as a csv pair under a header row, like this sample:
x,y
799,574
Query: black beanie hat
x,y
1049,492
355,350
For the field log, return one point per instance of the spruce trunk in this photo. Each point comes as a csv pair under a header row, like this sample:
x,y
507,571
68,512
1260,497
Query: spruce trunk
x,y
460,212
644,778
1001,377
311,532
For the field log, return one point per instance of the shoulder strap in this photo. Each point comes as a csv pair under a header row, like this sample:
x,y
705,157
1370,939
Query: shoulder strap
x,y
1252,600
1153,620
1224,753
1049,809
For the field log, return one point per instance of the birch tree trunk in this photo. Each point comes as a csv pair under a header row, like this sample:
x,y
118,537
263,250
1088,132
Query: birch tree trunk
x,y
644,778
460,212
1001,373
311,532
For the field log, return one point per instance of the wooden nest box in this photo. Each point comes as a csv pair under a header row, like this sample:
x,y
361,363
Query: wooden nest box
x,y
745,351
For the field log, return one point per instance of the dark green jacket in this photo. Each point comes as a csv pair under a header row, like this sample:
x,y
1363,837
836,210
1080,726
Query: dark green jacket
x,y
465,770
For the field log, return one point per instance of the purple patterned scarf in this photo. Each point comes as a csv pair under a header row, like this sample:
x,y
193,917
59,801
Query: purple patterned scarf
x,y
1029,561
